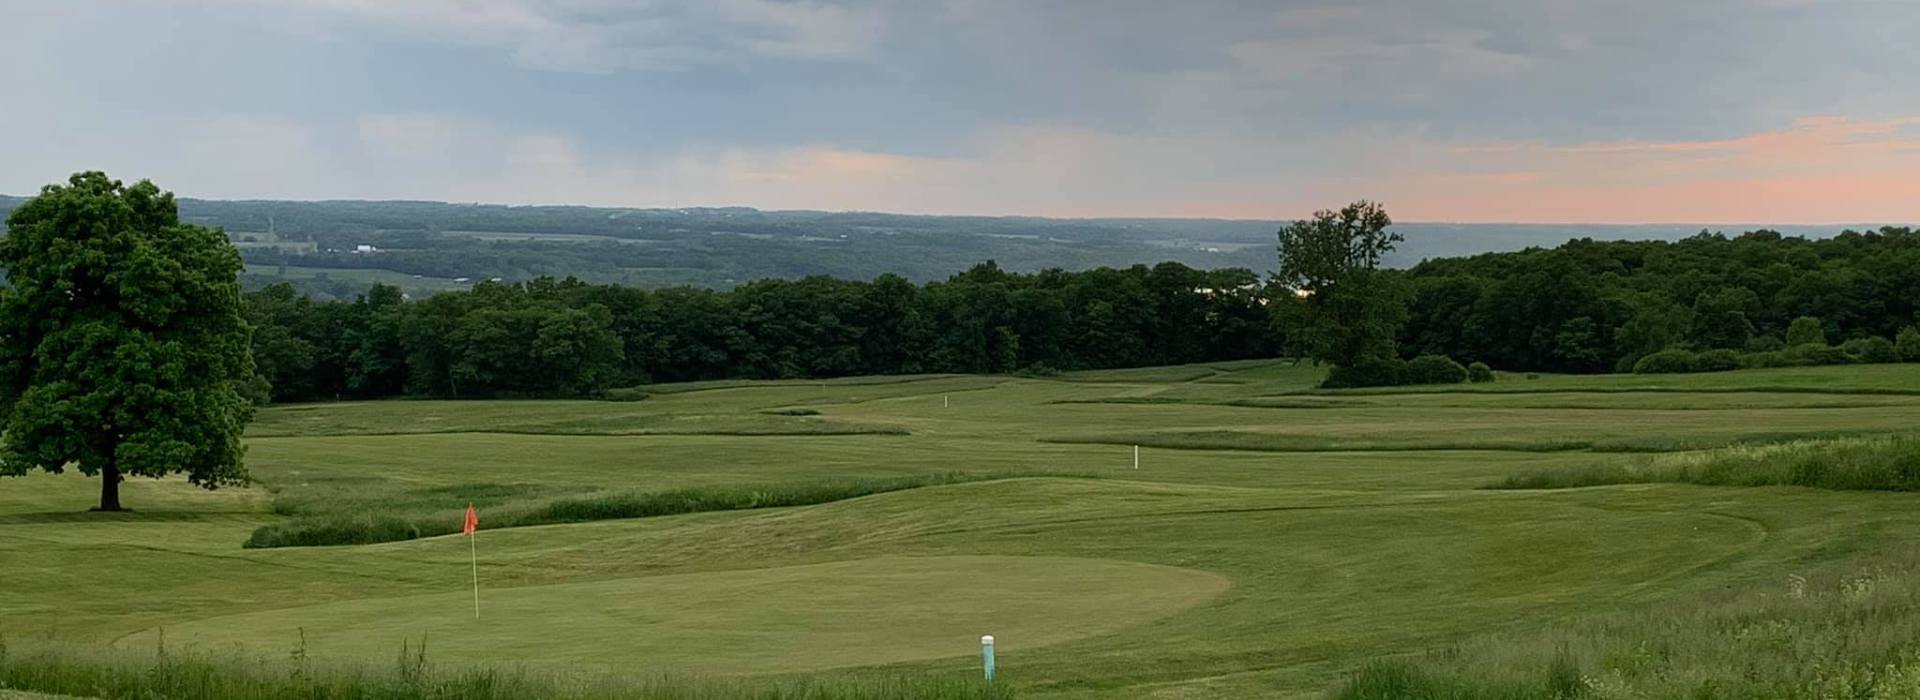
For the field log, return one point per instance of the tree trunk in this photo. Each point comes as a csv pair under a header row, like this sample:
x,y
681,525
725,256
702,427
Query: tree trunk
x,y
110,489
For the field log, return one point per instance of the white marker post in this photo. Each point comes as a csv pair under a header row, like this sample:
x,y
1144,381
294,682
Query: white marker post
x,y
986,655
1136,456
943,400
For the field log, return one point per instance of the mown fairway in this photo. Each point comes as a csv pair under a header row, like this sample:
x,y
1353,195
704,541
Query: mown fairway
x,y
1272,540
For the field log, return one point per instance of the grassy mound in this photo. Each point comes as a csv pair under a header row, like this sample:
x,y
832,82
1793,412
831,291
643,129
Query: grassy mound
x,y
1886,463
379,523
659,416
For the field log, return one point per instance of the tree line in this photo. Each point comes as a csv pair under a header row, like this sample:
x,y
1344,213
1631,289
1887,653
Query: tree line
x,y
564,337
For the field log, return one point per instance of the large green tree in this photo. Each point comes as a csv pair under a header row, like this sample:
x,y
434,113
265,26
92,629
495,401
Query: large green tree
x,y
1349,310
123,351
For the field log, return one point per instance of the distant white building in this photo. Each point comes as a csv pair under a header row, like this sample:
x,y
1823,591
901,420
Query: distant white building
x,y
364,248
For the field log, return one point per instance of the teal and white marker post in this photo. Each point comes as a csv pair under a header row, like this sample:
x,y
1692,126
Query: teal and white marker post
x,y
986,655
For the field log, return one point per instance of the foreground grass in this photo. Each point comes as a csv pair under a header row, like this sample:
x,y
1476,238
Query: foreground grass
x,y
1236,573
369,523
1884,463
1847,632
114,675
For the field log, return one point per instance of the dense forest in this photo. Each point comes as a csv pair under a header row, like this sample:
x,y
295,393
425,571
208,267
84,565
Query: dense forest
x,y
565,337
1584,306
1590,306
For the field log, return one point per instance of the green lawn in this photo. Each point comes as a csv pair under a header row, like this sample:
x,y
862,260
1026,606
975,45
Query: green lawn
x,y
1338,528
844,613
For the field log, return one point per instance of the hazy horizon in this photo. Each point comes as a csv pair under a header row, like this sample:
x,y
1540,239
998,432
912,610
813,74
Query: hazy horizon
x,y
1729,226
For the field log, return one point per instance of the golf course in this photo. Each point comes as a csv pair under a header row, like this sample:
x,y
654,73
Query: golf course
x,y
1271,540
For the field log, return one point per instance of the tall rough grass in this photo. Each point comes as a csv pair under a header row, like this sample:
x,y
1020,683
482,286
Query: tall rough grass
x,y
1851,632
372,522
1885,463
69,669
1277,442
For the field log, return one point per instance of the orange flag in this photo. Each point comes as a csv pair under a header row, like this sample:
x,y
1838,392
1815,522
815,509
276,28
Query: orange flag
x,y
466,529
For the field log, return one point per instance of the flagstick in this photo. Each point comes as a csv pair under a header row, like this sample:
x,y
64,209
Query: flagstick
x,y
473,549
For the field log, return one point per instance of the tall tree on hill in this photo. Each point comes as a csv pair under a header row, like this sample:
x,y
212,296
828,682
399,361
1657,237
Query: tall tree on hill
x,y
123,351
1349,309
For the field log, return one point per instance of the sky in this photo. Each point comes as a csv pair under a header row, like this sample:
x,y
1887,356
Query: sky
x,y
1587,111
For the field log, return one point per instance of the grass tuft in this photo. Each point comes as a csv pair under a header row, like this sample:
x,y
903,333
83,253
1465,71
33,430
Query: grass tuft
x,y
110,674
373,523
1883,463
1845,631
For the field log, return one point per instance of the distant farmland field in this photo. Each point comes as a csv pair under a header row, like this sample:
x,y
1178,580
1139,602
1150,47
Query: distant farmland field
x,y
361,277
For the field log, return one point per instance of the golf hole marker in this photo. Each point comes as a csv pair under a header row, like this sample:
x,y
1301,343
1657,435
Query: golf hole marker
x,y
986,655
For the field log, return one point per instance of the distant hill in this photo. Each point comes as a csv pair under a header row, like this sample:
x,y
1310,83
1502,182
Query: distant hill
x,y
427,246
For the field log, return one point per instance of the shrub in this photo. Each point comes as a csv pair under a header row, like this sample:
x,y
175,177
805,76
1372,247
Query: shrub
x,y
1763,360
1434,369
1671,361
1810,355
1037,369
1718,361
1872,349
1479,373
1765,343
629,393
1806,330
1908,344
1368,371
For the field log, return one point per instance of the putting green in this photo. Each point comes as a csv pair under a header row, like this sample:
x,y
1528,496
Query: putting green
x,y
868,611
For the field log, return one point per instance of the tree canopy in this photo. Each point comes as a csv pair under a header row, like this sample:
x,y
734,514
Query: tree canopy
x,y
1596,306
123,352
1352,310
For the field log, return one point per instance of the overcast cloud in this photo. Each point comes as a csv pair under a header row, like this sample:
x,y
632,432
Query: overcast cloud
x,y
1779,111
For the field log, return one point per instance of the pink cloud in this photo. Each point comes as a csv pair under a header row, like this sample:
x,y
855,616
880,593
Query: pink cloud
x,y
1819,170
